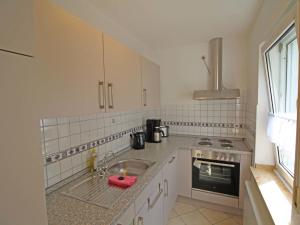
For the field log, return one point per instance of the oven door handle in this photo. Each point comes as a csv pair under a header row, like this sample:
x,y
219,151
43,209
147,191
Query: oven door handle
x,y
217,164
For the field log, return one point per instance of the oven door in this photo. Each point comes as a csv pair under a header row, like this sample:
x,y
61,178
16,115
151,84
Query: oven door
x,y
216,176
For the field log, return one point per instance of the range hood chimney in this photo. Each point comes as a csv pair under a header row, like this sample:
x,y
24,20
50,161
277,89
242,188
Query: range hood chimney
x,y
215,71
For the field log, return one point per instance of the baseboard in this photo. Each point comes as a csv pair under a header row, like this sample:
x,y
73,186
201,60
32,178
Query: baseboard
x,y
209,205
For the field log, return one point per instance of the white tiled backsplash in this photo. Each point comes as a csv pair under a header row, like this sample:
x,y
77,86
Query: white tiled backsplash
x,y
61,137
212,118
65,141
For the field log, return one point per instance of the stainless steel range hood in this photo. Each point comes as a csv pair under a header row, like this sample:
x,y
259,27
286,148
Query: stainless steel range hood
x,y
215,71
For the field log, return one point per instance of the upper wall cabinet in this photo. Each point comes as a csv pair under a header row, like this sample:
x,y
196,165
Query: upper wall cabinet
x,y
17,26
122,76
69,63
151,83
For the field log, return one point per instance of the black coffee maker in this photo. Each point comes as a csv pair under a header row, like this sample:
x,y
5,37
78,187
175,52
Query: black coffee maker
x,y
151,129
137,140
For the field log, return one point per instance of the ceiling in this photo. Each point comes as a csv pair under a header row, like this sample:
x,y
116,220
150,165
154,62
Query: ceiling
x,y
167,23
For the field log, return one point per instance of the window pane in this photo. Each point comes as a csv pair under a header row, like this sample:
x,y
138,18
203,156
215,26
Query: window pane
x,y
282,65
287,160
292,77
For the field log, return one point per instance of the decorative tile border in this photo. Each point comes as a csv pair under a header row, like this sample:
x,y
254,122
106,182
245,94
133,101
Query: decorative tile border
x,y
204,124
87,146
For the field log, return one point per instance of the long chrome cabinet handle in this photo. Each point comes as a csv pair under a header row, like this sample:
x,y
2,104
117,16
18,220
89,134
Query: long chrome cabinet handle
x,y
151,205
167,189
145,96
173,158
101,94
110,95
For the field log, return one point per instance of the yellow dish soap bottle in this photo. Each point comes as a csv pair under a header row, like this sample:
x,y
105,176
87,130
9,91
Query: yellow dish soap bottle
x,y
92,162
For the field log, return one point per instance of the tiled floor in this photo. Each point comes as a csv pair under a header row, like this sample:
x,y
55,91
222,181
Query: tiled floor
x,y
187,214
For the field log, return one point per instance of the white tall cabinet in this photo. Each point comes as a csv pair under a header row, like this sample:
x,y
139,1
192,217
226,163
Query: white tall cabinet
x,y
21,161
19,119
17,26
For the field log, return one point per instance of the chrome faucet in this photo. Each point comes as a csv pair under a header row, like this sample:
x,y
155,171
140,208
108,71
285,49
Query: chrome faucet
x,y
108,155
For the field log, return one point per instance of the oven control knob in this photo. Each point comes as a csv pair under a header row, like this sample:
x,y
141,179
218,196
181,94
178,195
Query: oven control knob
x,y
199,155
218,157
223,158
232,158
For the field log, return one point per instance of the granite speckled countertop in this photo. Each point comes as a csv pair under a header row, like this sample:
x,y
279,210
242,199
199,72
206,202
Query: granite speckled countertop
x,y
64,210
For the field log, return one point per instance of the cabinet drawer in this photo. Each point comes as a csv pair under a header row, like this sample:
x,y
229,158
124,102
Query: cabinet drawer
x,y
152,187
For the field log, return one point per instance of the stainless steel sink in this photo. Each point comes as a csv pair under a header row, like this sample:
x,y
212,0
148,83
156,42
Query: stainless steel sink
x,y
130,167
96,190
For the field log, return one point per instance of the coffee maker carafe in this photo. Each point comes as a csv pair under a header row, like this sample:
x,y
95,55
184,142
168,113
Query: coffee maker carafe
x,y
151,130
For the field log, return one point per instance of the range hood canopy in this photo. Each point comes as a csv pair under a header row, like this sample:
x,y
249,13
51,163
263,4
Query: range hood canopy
x,y
215,71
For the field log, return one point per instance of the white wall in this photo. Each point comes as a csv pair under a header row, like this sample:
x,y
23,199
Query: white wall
x,y
270,15
86,11
183,71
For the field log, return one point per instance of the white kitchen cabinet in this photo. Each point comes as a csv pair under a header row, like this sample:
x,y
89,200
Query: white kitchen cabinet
x,y
170,177
245,174
149,205
151,83
20,143
16,24
184,172
128,217
122,76
69,63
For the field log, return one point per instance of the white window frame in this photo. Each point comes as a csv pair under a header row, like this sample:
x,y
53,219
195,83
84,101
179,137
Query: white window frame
x,y
277,34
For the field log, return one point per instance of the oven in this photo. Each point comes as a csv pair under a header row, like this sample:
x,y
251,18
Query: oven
x,y
216,172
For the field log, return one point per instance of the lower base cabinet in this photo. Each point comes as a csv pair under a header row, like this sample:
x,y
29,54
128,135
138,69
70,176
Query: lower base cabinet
x,y
170,176
151,211
128,217
184,181
153,205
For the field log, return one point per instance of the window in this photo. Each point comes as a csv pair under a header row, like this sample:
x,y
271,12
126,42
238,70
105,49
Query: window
x,y
282,70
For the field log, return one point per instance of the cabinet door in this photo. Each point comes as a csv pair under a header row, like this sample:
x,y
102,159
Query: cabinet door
x,y
170,175
185,173
122,75
245,164
69,62
151,83
20,143
152,211
16,26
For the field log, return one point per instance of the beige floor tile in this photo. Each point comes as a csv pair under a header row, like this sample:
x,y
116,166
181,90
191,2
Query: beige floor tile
x,y
229,221
172,214
238,219
194,218
213,216
175,221
182,208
